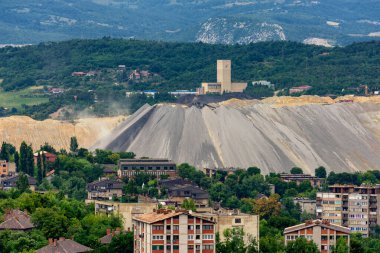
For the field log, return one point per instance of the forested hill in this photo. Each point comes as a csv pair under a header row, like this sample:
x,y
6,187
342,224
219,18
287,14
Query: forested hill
x,y
186,65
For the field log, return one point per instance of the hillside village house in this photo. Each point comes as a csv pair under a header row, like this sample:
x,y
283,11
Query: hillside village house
x,y
299,178
3,168
63,245
16,220
105,189
49,157
11,182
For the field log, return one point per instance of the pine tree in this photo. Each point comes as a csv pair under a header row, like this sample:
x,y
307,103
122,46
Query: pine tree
x,y
23,157
44,168
73,144
4,152
39,167
17,161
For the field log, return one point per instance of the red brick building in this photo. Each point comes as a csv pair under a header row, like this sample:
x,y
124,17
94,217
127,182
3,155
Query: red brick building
x,y
49,157
173,231
321,232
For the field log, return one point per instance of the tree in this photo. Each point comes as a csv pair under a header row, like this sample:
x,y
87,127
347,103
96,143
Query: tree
x,y
253,171
301,245
22,183
189,204
39,168
4,152
341,246
266,207
296,170
17,160
320,172
73,144
51,222
23,157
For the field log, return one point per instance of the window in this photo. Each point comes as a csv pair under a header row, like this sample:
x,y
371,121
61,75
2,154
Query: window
x,y
175,247
324,237
168,238
168,227
190,237
157,247
197,237
208,247
198,227
238,220
175,237
175,227
207,237
208,227
158,227
158,237
190,227
190,247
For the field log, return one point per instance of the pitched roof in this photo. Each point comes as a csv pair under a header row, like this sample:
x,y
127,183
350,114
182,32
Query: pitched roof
x,y
162,214
16,220
192,191
11,181
159,215
105,184
108,237
321,223
64,246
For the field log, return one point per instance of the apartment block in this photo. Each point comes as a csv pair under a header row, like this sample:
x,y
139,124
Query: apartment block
x,y
3,168
355,207
321,232
164,231
157,167
299,178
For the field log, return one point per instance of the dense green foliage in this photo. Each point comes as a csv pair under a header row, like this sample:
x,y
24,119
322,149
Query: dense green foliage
x,y
177,66
54,217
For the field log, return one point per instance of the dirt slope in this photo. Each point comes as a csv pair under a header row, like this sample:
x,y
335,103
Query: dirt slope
x,y
274,134
15,129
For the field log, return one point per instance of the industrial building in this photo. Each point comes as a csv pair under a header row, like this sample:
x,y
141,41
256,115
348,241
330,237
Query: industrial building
x,y
223,82
157,167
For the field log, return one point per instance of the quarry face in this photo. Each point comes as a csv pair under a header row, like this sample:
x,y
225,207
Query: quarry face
x,y
340,136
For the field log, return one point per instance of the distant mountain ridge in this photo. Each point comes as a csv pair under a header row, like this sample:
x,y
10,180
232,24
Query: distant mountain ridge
x,y
338,22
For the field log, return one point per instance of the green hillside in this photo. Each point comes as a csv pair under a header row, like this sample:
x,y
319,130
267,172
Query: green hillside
x,y
180,66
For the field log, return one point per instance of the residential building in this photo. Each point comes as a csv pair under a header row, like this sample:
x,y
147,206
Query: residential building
x,y
307,205
263,83
16,220
11,182
223,83
173,231
63,245
321,232
299,89
49,157
125,210
130,167
229,219
299,178
79,73
105,189
107,239
355,207
109,172
179,189
211,172
3,168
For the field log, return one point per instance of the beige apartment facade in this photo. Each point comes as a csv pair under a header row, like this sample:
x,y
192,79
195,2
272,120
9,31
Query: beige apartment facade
x,y
126,210
355,207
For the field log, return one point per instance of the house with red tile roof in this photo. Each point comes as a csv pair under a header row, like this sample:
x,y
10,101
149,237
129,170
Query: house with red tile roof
x,y
16,220
63,245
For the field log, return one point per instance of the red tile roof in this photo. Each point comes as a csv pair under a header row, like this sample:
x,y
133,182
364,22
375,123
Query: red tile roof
x,y
64,246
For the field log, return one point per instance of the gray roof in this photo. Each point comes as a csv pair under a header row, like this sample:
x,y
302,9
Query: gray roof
x,y
16,220
11,181
105,184
64,246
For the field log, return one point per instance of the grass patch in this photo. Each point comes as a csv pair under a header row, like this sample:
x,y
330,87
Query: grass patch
x,y
16,99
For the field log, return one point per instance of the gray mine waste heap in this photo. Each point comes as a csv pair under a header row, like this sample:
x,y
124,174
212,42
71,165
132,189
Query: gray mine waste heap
x,y
273,134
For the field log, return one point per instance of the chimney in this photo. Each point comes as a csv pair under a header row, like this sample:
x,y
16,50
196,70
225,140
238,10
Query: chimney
x,y
108,231
129,229
61,238
55,242
50,241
